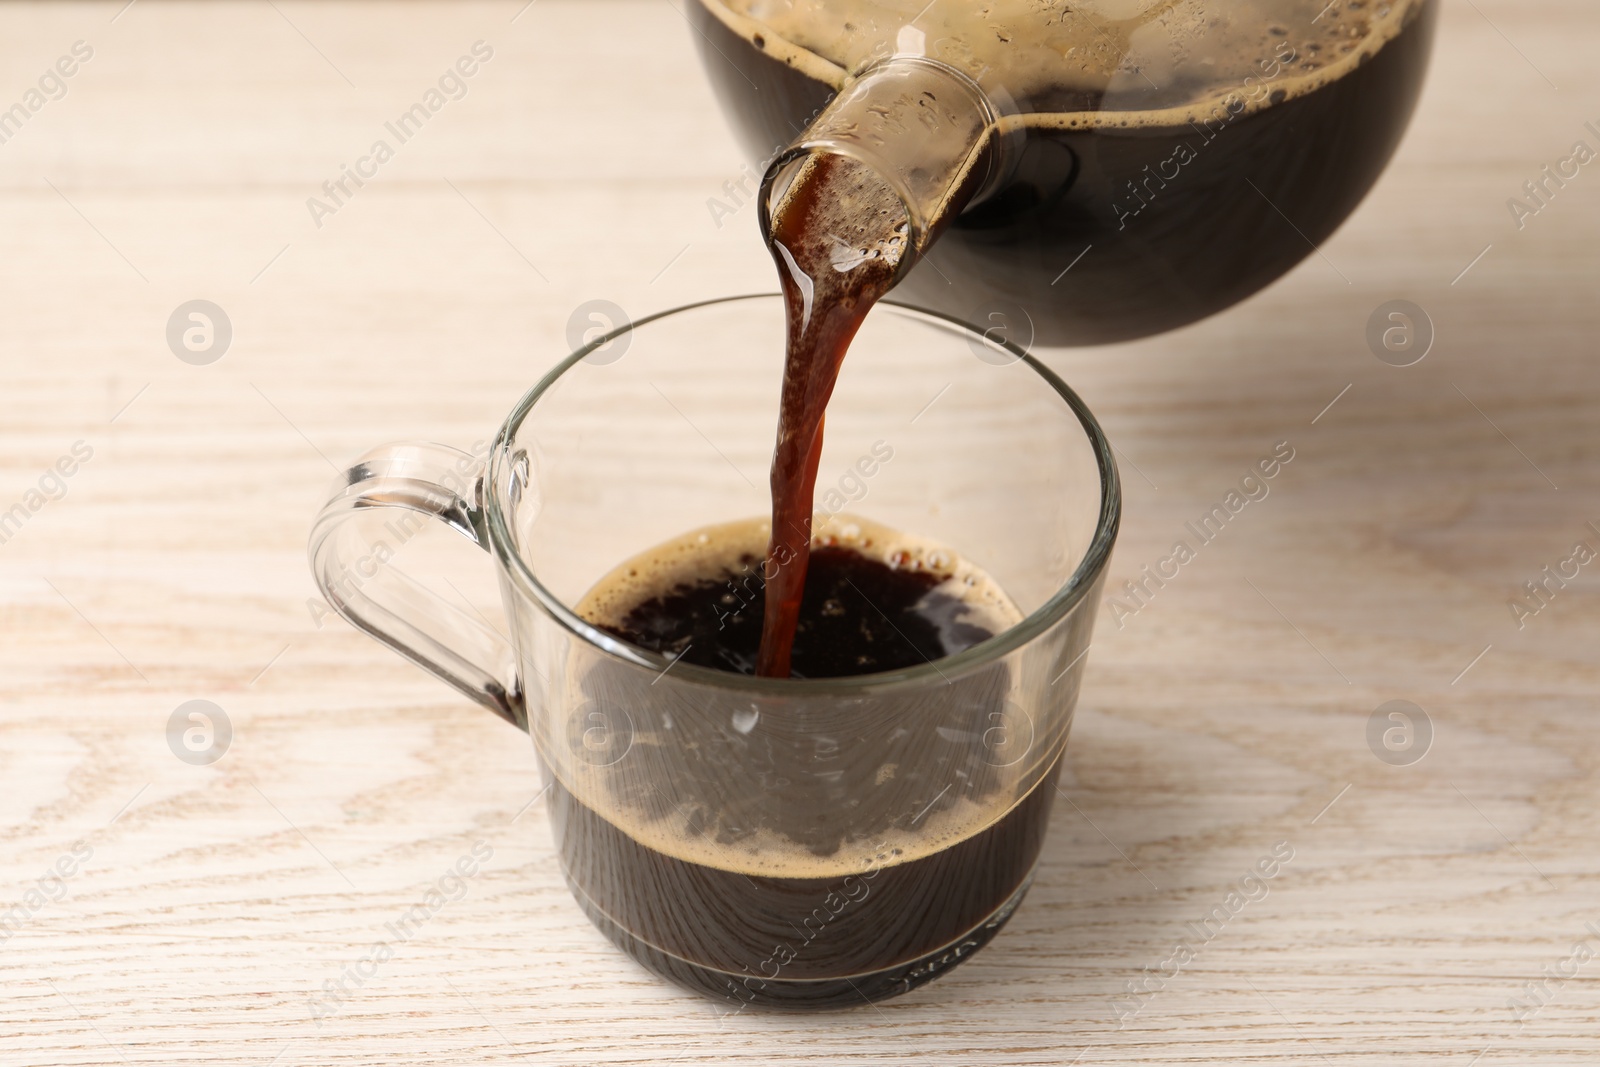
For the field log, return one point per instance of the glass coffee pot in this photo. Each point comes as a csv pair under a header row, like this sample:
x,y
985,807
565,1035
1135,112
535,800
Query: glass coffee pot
x,y
1083,173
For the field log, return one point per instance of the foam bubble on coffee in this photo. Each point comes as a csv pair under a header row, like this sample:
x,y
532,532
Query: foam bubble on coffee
x,y
1143,62
766,854
735,550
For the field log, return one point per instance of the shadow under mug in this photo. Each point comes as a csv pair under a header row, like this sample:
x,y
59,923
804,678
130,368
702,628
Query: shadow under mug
x,y
781,843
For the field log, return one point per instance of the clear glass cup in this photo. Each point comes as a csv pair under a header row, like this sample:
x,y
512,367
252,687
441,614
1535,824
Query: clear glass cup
x,y
779,843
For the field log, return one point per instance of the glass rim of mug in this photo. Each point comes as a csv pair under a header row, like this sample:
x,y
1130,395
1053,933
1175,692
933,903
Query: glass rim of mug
x,y
1063,601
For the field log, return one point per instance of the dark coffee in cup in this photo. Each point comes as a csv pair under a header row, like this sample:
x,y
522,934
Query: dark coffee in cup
x,y
712,845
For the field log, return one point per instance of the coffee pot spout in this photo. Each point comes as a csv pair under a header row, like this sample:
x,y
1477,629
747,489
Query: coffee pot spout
x,y
926,129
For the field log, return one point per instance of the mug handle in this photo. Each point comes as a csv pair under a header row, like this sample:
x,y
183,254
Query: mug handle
x,y
378,505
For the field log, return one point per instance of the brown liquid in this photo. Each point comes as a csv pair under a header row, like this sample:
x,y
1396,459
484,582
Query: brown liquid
x,y
799,942
837,238
857,615
844,849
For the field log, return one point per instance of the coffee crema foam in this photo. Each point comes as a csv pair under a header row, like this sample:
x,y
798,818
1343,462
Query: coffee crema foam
x,y
770,855
735,549
1146,63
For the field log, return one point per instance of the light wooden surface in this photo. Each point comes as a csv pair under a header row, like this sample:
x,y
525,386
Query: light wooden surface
x,y
1222,719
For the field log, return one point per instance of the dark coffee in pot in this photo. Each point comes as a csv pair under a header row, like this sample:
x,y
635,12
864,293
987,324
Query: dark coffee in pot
x,y
1153,185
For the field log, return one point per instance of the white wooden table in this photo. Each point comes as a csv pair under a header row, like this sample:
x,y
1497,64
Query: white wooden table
x,y
206,906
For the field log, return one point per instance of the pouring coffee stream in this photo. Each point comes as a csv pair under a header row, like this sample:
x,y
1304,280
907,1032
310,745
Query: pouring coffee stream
x,y
1199,153
846,219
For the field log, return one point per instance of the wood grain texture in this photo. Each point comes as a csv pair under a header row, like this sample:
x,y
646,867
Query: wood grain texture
x,y
1221,719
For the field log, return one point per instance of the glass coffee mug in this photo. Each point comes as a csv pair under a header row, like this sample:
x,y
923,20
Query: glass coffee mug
x,y
782,843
